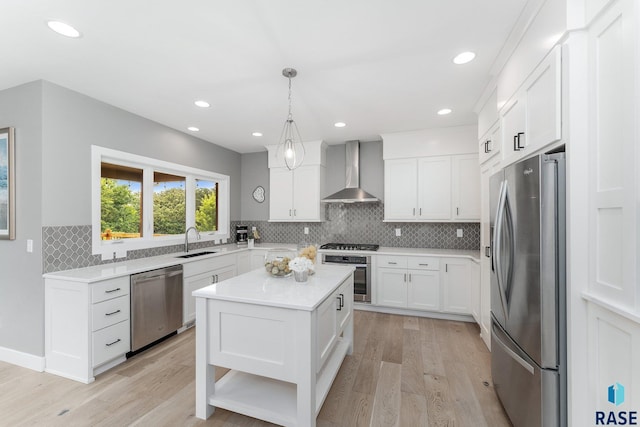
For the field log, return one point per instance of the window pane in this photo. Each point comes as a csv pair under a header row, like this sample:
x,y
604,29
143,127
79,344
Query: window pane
x,y
120,202
169,203
206,205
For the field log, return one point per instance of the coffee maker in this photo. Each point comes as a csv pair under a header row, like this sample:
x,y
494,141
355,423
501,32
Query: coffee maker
x,y
241,235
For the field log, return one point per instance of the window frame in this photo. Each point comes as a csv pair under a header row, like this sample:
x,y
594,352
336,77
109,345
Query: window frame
x,y
111,248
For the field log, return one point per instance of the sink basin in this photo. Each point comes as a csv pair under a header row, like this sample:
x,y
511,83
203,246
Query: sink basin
x,y
194,254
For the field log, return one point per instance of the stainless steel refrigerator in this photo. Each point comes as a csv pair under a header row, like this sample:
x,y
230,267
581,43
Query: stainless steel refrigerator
x,y
528,304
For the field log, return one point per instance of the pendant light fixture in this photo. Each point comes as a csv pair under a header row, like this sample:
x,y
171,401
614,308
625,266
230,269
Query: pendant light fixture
x,y
290,145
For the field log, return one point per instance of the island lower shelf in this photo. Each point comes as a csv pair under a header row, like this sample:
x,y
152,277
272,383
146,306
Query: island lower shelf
x,y
271,399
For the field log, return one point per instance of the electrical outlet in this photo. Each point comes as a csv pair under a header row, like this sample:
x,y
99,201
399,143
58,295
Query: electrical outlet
x,y
29,245
459,232
306,230
398,232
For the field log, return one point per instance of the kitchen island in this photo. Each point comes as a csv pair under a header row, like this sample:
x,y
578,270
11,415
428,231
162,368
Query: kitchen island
x,y
283,341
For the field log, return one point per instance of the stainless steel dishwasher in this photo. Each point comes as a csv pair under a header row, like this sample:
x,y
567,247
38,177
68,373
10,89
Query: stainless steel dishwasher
x,y
156,305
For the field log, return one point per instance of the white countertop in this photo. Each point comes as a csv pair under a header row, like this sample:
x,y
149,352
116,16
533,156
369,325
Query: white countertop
x,y
97,273
258,287
386,250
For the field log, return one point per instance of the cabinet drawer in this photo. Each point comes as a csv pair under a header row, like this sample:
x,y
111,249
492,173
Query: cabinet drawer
x,y
109,289
110,312
111,342
424,263
208,264
392,261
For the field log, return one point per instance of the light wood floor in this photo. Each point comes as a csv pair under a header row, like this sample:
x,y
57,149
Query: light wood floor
x,y
404,371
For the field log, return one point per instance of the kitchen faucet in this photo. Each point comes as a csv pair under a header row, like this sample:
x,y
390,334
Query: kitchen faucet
x,y
186,237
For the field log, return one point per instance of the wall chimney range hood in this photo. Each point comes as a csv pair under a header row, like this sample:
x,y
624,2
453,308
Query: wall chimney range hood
x,y
352,192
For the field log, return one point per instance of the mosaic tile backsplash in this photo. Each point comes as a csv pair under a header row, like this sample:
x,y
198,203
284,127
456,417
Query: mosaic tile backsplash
x,y
69,247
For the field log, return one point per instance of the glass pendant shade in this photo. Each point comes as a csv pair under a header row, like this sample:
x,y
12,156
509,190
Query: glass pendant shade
x,y
290,145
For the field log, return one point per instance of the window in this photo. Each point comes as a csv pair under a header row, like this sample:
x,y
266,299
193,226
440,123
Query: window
x,y
139,202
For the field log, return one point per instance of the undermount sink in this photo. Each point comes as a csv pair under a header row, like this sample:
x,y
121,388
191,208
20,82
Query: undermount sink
x,y
191,255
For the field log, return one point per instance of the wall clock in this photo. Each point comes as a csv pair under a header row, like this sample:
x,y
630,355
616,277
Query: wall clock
x,y
258,194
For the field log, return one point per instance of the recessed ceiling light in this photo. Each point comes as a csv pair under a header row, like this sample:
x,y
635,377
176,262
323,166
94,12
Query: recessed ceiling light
x,y
444,111
202,104
339,124
193,129
257,134
63,29
464,57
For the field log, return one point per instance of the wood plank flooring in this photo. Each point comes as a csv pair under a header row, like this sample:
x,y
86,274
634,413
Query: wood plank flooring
x,y
405,371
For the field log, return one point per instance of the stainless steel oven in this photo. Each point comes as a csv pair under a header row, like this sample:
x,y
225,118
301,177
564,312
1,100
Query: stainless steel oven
x,y
361,277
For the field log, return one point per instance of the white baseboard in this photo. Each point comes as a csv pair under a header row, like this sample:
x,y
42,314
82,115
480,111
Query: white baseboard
x,y
19,358
408,312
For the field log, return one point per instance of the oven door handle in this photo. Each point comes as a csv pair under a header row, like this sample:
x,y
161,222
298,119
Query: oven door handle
x,y
346,263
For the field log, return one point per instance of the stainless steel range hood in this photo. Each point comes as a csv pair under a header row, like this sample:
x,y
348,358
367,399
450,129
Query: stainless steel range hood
x,y
352,193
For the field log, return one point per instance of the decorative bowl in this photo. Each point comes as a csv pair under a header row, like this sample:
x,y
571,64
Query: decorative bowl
x,y
276,262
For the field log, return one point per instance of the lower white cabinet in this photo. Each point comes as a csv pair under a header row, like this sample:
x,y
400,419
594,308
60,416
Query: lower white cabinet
x,y
201,273
408,282
333,314
457,283
438,284
87,327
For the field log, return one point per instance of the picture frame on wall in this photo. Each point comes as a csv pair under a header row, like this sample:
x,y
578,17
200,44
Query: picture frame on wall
x,y
7,184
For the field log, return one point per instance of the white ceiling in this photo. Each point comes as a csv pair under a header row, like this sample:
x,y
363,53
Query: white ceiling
x,y
379,65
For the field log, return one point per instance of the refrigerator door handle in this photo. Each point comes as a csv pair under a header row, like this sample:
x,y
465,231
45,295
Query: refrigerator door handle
x,y
497,246
499,339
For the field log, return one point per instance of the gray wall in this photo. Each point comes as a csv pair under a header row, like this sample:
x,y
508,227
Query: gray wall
x,y
255,171
55,128
21,286
72,122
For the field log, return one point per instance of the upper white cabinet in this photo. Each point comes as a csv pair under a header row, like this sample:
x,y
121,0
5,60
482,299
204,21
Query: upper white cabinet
x,y
531,119
490,143
295,194
438,188
465,192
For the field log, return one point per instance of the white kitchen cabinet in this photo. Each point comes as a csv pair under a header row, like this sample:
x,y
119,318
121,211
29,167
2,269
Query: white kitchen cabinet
x,y
333,315
243,261
466,188
295,195
457,282
257,258
436,188
86,326
408,282
531,119
400,189
490,144
202,273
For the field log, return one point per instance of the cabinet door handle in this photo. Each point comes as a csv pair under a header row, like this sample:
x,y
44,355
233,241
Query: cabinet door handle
x,y
414,211
488,148
487,251
405,277
424,265
515,143
341,300
392,263
112,290
409,276
112,313
216,276
339,307
294,212
112,343
420,211
446,268
457,211
519,135
290,212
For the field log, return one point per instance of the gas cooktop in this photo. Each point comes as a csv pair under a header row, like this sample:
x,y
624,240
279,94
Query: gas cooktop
x,y
350,247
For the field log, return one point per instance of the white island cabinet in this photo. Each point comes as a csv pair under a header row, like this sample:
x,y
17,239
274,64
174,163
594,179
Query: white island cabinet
x,y
283,341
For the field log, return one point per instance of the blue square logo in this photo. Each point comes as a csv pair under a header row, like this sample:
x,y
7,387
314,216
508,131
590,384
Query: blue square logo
x,y
615,394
